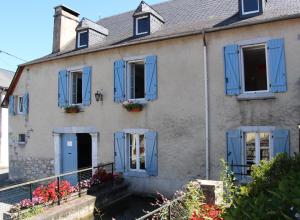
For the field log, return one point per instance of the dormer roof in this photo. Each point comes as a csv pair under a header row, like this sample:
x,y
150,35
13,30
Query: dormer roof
x,y
88,24
144,8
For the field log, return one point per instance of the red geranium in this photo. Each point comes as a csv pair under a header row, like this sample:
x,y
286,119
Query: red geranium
x,y
212,212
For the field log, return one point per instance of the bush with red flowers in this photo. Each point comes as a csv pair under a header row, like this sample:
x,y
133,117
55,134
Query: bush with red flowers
x,y
101,176
207,212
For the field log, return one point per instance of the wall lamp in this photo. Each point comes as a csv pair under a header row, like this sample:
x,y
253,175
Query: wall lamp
x,y
99,95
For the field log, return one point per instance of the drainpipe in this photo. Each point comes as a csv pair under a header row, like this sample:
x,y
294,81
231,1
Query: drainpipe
x,y
206,106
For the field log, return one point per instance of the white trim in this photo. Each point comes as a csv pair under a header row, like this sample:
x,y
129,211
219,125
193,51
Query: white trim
x,y
243,69
259,40
78,39
75,68
257,128
250,12
135,130
137,27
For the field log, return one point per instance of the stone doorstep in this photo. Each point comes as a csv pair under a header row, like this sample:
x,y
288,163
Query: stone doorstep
x,y
75,209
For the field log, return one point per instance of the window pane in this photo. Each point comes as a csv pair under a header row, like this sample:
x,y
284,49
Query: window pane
x,y
76,88
136,81
142,152
79,88
250,149
255,71
264,146
20,104
132,147
143,25
83,39
250,5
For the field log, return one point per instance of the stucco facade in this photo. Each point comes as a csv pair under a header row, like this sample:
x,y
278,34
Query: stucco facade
x,y
178,115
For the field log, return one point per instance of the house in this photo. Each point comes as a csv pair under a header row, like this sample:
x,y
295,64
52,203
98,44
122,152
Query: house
x,y
5,79
218,79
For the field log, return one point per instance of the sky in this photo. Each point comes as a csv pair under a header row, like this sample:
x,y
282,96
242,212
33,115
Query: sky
x,y
26,26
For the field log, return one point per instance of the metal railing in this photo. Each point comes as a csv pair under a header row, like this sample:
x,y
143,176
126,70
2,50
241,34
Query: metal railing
x,y
79,180
241,170
167,207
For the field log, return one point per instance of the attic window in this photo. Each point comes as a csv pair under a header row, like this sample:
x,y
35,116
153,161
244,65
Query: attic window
x,y
82,39
142,25
250,7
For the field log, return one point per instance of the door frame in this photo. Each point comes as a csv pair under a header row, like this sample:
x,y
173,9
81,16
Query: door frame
x,y
58,132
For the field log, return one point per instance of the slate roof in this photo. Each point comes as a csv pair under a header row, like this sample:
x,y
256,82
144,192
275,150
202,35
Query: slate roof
x,y
6,77
184,17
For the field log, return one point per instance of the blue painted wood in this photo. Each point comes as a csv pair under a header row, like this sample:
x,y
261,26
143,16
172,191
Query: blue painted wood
x,y
69,157
26,103
119,140
234,150
119,81
11,105
86,86
63,99
281,141
232,70
151,153
151,78
277,66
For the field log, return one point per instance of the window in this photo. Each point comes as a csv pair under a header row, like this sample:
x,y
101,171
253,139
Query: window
x,y
257,147
250,6
136,151
20,105
255,70
136,80
255,75
142,25
22,139
76,88
82,39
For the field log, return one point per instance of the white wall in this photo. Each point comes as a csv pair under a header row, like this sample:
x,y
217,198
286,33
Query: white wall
x,y
4,138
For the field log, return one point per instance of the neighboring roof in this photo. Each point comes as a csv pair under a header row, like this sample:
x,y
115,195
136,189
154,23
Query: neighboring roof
x,y
6,77
184,17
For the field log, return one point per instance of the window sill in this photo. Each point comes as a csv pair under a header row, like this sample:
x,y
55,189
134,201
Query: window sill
x,y
135,174
256,96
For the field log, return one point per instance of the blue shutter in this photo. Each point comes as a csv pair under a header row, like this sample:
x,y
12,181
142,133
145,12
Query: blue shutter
x,y
26,103
119,81
11,105
232,70
281,141
234,150
277,68
86,86
63,88
151,77
120,151
151,153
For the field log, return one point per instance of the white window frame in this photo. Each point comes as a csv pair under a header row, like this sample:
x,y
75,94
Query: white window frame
x,y
257,130
20,103
70,86
128,80
250,12
127,153
78,39
137,25
243,68
22,142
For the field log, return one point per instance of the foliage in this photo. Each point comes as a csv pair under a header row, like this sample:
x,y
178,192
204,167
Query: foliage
x,y
32,212
188,204
130,105
274,192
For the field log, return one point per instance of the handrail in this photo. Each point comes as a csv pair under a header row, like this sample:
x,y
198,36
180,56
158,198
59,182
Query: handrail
x,y
161,208
52,177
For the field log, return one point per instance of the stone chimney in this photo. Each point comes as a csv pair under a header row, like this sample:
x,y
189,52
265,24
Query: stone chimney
x,y
64,31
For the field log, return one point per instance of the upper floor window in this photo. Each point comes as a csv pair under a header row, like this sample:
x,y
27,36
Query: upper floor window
x,y
250,6
82,39
74,87
256,70
19,104
135,79
142,25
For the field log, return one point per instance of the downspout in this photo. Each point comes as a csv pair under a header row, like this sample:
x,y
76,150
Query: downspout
x,y
207,168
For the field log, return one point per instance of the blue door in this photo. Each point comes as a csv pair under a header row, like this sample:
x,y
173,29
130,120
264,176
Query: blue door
x,y
69,157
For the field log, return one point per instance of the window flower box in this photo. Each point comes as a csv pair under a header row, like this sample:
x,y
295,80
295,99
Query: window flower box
x,y
133,106
72,109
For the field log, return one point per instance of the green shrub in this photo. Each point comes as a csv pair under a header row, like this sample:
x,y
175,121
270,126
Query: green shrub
x,y
273,194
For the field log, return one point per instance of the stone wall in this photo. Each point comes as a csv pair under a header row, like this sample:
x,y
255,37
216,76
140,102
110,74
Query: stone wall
x,y
29,168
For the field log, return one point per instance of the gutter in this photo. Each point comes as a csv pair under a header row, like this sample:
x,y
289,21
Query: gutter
x,y
207,162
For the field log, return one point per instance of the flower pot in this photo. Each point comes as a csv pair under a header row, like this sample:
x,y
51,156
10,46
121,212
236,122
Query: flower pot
x,y
135,110
72,110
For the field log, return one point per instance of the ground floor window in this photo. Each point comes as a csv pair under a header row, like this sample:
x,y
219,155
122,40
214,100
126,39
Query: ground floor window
x,y
136,151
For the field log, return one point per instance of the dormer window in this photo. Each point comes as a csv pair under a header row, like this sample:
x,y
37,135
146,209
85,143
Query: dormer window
x,y
82,39
142,25
250,8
